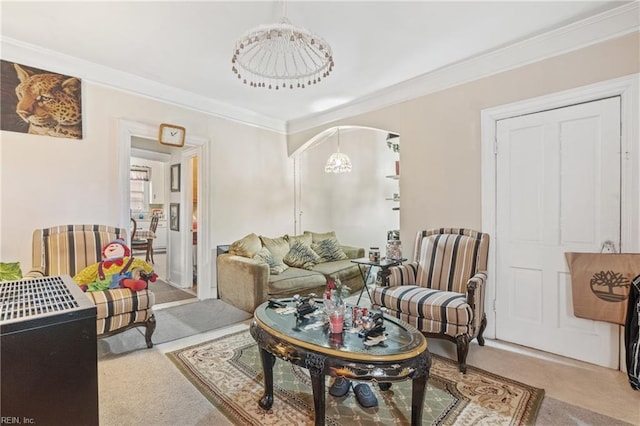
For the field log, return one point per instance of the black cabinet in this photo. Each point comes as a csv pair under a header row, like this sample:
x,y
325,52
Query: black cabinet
x,y
48,353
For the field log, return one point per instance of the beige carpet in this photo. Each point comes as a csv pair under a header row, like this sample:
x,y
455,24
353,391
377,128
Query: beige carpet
x,y
228,372
174,323
143,387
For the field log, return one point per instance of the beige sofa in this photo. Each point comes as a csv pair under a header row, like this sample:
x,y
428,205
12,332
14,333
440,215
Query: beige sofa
x,y
258,268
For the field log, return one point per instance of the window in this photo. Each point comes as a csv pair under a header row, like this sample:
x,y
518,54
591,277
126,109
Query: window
x,y
139,188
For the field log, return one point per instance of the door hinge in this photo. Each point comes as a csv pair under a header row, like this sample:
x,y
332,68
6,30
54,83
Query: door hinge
x,y
495,147
495,305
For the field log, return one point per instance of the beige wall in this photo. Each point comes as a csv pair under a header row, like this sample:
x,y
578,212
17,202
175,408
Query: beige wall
x,y
46,181
440,132
354,204
49,181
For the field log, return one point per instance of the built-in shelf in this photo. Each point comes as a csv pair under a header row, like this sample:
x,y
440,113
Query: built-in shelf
x,y
395,177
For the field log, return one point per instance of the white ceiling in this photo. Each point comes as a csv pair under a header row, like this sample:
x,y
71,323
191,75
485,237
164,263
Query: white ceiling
x,y
185,47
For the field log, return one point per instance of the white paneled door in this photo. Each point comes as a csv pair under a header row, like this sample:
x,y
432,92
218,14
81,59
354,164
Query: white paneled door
x,y
558,190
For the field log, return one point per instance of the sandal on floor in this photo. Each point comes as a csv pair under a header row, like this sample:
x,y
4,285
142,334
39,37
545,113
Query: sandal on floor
x,y
365,396
340,387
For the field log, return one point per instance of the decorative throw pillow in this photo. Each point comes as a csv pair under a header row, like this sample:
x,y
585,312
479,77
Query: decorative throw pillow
x,y
264,256
319,236
10,271
248,246
278,247
278,269
304,239
301,256
329,250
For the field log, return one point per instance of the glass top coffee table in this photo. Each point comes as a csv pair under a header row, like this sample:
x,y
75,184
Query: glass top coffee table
x,y
308,343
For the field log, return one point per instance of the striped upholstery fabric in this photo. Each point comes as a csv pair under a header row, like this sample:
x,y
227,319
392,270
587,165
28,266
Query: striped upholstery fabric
x,y
431,326
67,249
448,257
430,311
403,274
120,301
117,322
431,292
413,300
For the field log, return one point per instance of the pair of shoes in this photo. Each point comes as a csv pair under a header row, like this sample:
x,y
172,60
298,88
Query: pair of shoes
x,y
365,396
340,387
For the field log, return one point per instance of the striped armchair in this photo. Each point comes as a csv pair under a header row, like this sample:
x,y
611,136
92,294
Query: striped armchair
x,y
67,249
441,292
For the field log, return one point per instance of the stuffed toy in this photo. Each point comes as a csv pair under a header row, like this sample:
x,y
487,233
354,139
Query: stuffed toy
x,y
116,270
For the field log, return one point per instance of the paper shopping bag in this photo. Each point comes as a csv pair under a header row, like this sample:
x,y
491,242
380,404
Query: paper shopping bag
x,y
600,283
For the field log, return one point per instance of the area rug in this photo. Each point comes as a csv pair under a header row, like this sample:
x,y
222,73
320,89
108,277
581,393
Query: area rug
x,y
229,373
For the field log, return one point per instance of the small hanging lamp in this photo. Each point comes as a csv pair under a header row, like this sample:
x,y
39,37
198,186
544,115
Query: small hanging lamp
x,y
338,162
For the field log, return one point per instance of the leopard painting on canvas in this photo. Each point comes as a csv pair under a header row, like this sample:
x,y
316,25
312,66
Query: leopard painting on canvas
x,y
39,102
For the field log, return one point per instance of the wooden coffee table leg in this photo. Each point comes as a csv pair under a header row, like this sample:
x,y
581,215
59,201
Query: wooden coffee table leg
x,y
317,383
267,367
417,399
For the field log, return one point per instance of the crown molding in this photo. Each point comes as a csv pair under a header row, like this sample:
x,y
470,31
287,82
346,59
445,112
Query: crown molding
x,y
607,25
610,24
24,53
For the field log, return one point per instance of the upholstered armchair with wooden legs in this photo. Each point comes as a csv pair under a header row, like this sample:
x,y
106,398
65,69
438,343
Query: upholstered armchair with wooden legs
x,y
441,292
67,249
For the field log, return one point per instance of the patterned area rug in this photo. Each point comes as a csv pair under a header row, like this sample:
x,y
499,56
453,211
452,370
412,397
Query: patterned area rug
x,y
228,372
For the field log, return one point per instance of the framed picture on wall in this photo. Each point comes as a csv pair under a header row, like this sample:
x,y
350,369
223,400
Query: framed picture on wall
x,y
175,178
174,216
31,113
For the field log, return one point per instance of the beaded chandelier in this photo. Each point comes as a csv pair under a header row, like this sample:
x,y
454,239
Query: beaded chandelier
x,y
281,56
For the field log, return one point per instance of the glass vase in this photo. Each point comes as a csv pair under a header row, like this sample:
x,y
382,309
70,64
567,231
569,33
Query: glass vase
x,y
394,249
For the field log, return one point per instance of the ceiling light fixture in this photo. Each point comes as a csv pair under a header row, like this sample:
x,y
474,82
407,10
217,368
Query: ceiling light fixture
x,y
281,56
338,162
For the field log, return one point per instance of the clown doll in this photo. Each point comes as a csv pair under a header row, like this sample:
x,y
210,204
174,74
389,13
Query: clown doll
x,y
116,270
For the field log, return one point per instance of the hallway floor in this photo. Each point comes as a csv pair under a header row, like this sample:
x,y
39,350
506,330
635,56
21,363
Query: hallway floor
x,y
160,268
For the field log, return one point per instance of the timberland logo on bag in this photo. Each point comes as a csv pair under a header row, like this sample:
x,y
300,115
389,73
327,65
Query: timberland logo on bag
x,y
610,286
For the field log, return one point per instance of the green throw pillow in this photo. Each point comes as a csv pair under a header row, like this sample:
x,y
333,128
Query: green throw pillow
x,y
278,247
329,250
248,246
301,256
10,271
278,269
304,239
264,256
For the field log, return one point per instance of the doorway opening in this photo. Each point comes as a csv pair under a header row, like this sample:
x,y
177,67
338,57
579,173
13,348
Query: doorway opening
x,y
148,195
375,154
180,251
190,161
